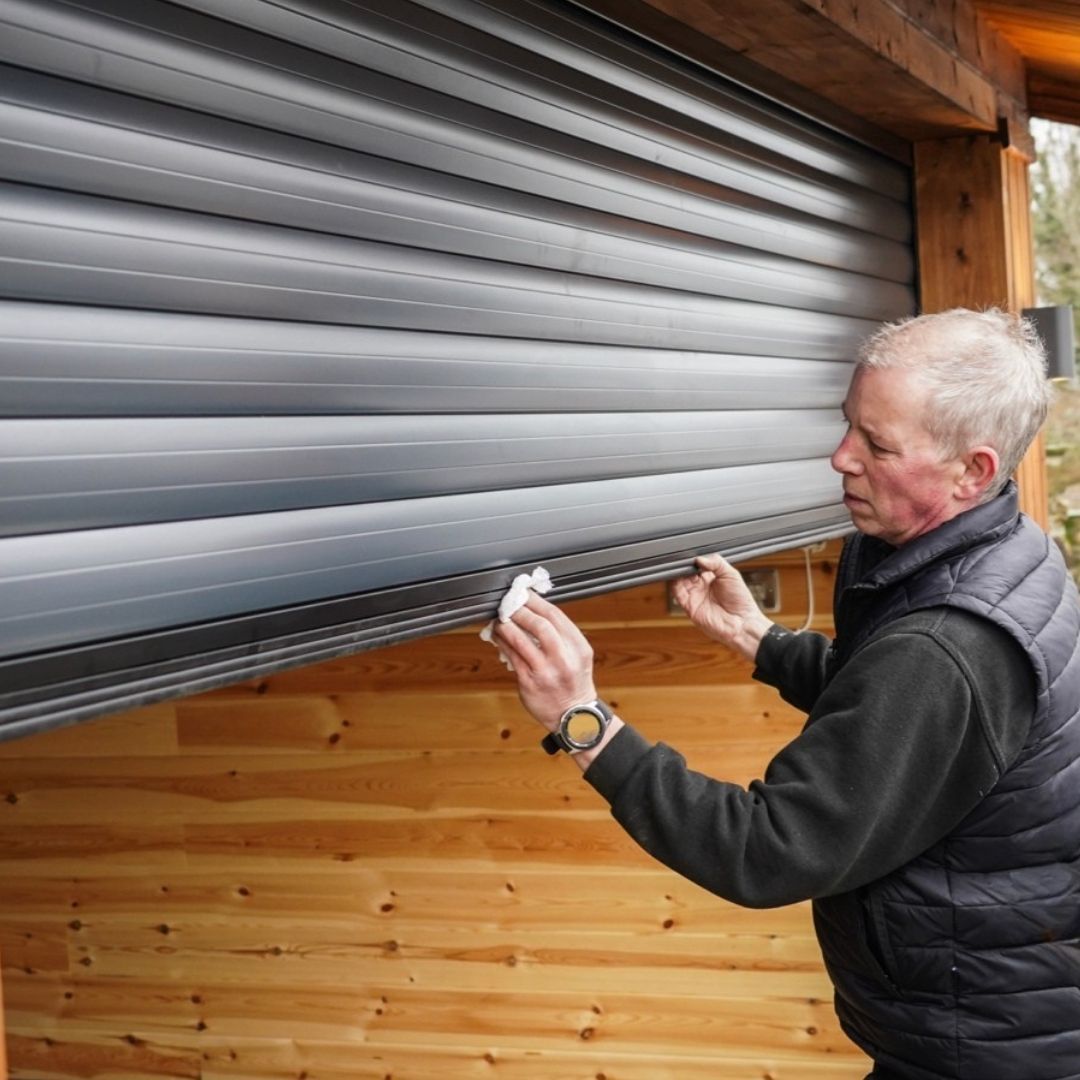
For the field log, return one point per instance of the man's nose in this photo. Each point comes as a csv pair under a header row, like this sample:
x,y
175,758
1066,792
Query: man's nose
x,y
843,460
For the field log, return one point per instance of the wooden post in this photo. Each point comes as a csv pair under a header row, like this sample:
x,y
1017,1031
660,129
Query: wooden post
x,y
974,247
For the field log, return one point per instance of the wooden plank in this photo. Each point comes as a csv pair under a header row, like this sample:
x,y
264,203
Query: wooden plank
x,y
130,848
515,1006
1019,250
731,735
288,1060
497,840
674,652
390,961
350,721
690,1024
487,721
75,1057
1054,97
35,944
363,941
644,902
80,1054
144,732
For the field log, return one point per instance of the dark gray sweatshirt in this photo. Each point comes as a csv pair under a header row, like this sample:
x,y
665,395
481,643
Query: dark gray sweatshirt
x,y
906,739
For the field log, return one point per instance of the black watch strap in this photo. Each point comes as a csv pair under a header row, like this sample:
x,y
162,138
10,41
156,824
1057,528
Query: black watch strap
x,y
552,743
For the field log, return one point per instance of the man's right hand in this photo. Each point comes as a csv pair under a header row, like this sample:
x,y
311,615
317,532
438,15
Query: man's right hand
x,y
718,602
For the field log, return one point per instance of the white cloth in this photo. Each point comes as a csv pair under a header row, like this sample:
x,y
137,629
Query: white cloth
x,y
515,597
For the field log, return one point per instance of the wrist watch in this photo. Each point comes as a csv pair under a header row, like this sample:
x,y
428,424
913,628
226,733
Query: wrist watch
x,y
580,728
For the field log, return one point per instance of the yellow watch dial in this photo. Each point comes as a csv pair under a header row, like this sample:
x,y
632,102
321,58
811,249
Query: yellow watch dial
x,y
583,728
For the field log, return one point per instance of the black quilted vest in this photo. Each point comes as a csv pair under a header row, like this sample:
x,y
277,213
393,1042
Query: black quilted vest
x,y
965,963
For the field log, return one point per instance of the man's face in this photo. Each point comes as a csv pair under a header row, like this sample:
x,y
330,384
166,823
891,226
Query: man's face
x,y
897,484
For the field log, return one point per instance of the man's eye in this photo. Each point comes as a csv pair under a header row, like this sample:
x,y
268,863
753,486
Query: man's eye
x,y
876,448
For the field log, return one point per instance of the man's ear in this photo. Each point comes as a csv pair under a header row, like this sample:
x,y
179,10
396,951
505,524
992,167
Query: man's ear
x,y
980,468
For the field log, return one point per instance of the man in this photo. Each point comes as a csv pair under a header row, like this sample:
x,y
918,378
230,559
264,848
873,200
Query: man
x,y
931,805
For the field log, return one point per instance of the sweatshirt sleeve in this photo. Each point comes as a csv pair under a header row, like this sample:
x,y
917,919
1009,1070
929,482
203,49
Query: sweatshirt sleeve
x,y
794,664
892,757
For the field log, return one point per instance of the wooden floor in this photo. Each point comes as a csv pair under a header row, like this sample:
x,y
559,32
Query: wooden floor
x,y
369,869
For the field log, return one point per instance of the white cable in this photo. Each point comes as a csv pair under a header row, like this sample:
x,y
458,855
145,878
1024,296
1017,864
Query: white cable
x,y
809,593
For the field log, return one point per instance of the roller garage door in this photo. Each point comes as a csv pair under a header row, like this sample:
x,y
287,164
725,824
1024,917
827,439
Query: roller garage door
x,y
320,320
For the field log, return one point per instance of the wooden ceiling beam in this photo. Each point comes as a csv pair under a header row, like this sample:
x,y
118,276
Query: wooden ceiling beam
x,y
1054,98
920,69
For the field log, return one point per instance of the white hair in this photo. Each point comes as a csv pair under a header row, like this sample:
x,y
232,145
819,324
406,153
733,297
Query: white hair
x,y
986,376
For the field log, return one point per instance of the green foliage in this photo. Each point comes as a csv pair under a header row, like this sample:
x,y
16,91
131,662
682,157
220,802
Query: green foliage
x,y
1063,442
1055,188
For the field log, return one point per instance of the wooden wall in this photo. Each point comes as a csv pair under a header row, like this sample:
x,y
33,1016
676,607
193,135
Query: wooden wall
x,y
369,869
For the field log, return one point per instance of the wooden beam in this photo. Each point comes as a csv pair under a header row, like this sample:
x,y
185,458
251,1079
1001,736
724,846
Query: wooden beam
x,y
1054,98
965,33
914,68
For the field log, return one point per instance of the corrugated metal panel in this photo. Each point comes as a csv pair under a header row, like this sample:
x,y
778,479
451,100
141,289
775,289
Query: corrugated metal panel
x,y
84,249
89,680
102,472
59,589
73,361
320,320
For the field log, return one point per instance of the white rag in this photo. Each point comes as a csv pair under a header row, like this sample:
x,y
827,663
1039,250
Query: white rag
x,y
515,597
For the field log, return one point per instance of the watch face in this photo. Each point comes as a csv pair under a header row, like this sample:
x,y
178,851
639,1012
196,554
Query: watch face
x,y
583,729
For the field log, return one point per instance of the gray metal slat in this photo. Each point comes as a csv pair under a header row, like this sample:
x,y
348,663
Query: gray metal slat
x,y
84,474
63,588
398,123
100,151
58,360
559,32
80,249
447,56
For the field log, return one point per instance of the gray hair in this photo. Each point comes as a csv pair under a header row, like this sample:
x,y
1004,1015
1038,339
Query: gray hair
x,y
986,375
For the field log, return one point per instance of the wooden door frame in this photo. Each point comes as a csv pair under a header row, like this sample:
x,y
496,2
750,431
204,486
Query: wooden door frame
x,y
974,246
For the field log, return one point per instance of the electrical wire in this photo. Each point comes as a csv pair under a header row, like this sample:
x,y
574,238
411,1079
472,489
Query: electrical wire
x,y
809,593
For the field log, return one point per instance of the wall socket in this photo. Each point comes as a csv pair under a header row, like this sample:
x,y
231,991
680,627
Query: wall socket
x,y
765,586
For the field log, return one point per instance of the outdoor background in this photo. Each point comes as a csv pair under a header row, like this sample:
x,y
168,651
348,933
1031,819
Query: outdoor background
x,y
1056,206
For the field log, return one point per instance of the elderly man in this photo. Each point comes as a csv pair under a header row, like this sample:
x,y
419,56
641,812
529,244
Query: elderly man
x,y
930,806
